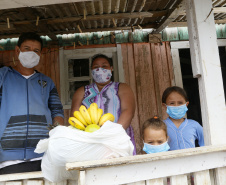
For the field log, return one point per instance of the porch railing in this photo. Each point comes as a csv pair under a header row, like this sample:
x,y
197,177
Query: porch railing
x,y
203,166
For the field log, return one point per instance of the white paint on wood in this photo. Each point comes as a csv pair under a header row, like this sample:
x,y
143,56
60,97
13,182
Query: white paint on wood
x,y
82,178
186,45
193,40
18,176
221,176
202,178
33,182
137,183
120,64
210,83
179,180
6,4
159,181
176,67
151,167
14,183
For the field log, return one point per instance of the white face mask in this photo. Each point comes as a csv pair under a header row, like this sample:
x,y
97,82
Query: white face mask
x,y
101,75
29,59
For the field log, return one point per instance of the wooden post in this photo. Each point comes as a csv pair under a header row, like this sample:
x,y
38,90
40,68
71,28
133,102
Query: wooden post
x,y
206,66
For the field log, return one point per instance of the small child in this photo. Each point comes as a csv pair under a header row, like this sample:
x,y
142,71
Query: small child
x,y
182,132
155,136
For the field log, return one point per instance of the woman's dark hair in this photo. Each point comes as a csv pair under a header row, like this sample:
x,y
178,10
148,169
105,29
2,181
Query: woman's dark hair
x,y
155,123
177,89
101,56
29,36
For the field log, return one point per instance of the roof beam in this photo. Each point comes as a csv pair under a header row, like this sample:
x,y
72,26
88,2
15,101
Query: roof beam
x,y
180,9
184,24
97,17
6,4
84,30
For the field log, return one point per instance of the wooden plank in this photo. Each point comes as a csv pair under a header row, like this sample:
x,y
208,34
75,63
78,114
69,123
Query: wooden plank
x,y
172,16
33,182
5,4
159,181
48,62
145,91
170,63
202,178
82,178
152,169
52,65
210,81
72,182
41,66
193,40
120,64
96,17
158,75
19,176
147,158
176,67
179,180
46,182
137,183
67,113
136,119
124,53
14,183
221,176
57,70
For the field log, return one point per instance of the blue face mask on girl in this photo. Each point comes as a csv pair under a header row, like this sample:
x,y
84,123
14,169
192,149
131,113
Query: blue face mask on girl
x,y
176,112
148,148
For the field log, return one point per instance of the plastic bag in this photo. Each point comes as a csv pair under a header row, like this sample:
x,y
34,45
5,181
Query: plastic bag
x,y
71,145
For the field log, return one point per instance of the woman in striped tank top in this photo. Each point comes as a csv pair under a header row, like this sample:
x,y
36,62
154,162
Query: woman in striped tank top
x,y
113,97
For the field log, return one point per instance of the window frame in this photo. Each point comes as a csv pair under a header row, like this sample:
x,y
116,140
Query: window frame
x,y
66,55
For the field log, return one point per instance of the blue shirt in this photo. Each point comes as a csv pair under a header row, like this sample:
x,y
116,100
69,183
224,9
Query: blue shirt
x,y
184,136
27,106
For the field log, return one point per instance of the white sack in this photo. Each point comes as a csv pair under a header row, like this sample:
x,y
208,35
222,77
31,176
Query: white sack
x,y
71,145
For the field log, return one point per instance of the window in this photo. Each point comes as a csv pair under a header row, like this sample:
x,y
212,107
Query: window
x,y
75,70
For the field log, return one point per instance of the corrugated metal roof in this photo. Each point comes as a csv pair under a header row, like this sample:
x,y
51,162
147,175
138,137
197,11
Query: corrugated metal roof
x,y
94,16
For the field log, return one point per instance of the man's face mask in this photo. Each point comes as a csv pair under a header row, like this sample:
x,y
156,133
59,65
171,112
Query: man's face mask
x,y
101,75
176,112
148,148
29,59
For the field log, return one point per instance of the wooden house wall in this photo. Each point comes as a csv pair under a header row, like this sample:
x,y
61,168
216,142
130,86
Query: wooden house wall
x,y
147,69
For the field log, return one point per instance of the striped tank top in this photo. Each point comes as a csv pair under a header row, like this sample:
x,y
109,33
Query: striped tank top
x,y
108,100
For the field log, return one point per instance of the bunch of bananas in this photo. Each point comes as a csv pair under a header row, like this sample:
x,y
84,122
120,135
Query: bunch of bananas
x,y
90,119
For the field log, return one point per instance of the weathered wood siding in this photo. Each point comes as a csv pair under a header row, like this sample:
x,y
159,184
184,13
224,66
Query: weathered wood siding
x,y
148,70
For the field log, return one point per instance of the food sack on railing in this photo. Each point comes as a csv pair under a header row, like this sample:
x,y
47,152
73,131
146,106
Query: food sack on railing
x,y
71,145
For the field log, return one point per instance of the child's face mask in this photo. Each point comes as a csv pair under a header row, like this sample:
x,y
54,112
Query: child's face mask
x,y
176,112
148,148
101,75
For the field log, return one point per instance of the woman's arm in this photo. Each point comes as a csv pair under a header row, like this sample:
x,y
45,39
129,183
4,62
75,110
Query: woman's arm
x,y
77,99
127,105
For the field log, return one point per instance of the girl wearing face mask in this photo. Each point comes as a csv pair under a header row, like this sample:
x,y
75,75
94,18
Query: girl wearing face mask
x,y
182,132
154,132
113,97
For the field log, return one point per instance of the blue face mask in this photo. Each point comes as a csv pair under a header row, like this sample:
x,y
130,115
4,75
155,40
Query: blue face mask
x,y
177,112
156,148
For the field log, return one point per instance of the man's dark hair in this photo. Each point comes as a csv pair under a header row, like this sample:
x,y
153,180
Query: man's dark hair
x,y
29,36
102,56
